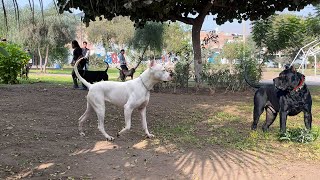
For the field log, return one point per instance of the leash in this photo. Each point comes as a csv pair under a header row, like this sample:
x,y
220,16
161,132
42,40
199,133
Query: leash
x,y
144,84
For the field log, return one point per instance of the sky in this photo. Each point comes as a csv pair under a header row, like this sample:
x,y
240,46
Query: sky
x,y
245,27
209,24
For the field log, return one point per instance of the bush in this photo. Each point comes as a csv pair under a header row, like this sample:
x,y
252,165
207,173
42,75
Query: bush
x,y
182,73
10,66
299,135
96,62
231,77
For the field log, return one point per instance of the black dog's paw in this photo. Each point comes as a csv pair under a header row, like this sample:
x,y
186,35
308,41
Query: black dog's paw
x,y
265,129
118,134
253,127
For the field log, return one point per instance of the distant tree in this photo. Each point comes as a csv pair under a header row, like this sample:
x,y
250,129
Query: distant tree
x,y
150,37
50,36
119,31
286,33
175,37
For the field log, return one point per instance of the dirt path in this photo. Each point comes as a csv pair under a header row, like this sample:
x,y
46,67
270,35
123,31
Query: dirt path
x,y
39,140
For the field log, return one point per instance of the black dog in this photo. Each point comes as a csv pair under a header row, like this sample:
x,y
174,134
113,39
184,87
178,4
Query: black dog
x,y
25,71
94,76
123,74
288,96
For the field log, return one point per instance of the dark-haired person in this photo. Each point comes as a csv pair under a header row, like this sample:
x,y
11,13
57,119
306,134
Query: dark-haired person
x,y
77,54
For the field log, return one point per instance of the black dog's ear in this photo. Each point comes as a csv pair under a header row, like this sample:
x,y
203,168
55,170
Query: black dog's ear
x,y
292,68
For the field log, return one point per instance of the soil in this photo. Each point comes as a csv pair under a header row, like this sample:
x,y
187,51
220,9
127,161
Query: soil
x,y
39,139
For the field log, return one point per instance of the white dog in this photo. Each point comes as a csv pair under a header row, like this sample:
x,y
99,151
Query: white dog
x,y
130,95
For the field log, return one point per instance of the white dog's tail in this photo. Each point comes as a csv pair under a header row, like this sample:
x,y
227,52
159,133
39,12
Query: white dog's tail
x,y
86,83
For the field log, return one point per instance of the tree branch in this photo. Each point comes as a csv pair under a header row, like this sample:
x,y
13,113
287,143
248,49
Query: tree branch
x,y
205,10
185,20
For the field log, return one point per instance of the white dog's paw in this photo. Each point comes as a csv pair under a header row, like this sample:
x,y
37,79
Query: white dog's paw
x,y
150,135
82,134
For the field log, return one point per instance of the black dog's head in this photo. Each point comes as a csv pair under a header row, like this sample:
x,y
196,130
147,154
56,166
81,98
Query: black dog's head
x,y
289,79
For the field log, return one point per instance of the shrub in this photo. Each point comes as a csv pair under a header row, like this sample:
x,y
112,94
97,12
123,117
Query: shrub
x,y
299,135
96,62
182,73
231,77
10,66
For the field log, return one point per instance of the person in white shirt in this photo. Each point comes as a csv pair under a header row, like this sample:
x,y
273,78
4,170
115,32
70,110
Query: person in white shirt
x,y
85,54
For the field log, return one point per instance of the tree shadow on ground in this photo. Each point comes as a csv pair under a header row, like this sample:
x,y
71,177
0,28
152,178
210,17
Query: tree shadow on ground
x,y
196,138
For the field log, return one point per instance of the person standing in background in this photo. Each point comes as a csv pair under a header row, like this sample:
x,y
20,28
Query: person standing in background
x,y
123,62
77,54
85,54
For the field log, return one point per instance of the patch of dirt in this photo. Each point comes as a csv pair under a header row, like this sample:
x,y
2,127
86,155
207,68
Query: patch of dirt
x,y
39,139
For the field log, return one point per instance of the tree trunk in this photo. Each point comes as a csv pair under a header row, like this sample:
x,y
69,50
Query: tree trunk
x,y
40,59
46,59
196,43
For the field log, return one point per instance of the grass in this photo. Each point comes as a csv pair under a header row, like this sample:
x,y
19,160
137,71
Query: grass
x,y
229,127
63,76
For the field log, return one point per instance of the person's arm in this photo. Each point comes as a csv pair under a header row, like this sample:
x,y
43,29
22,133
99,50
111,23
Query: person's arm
x,y
87,54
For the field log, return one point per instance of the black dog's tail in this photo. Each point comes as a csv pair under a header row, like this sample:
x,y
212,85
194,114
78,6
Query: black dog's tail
x,y
107,67
257,86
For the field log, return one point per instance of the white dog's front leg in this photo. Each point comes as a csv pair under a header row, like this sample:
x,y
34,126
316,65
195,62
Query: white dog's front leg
x,y
127,116
101,114
143,113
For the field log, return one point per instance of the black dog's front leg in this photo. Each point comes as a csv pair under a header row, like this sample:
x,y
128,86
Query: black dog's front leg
x,y
307,119
283,122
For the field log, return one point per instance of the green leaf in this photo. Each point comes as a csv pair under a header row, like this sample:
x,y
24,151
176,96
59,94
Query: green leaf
x,y
4,52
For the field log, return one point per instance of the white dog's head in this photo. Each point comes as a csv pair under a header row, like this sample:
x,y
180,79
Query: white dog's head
x,y
159,72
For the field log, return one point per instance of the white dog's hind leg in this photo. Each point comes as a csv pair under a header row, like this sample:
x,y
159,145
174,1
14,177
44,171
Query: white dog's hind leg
x,y
143,113
127,116
84,117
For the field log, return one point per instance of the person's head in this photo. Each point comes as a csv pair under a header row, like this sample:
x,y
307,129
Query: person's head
x,y
75,44
84,44
122,51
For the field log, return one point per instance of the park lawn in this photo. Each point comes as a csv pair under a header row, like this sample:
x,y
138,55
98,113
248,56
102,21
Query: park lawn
x,y
63,76
229,127
226,125
68,70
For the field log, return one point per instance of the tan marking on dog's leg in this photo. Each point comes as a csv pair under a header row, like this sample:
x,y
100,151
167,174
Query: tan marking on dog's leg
x,y
127,116
143,113
84,117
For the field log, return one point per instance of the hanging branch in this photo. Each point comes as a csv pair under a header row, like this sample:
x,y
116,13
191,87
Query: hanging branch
x,y
141,57
32,10
5,15
17,12
41,5
57,9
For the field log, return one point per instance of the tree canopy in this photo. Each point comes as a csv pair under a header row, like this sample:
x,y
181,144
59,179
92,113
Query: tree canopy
x,y
163,10
192,12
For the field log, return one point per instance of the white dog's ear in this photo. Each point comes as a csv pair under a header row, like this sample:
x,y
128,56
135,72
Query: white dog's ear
x,y
152,63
